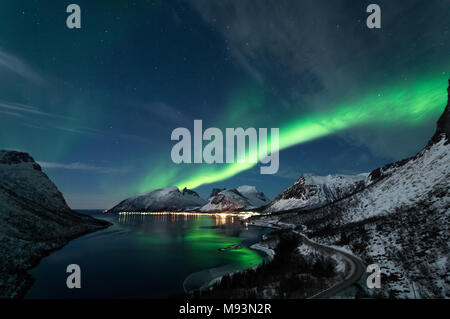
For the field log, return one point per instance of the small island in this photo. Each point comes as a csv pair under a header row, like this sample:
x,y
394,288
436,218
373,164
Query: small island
x,y
230,248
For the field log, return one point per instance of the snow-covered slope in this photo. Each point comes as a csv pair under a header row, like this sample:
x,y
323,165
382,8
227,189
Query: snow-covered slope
x,y
415,181
242,198
164,199
253,195
311,191
400,221
34,219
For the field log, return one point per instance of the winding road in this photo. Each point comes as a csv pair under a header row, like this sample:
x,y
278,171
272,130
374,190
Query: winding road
x,y
357,269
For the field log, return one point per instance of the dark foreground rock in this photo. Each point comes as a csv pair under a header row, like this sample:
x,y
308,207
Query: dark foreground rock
x,y
34,220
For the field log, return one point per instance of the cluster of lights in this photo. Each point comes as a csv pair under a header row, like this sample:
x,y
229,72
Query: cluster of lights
x,y
242,215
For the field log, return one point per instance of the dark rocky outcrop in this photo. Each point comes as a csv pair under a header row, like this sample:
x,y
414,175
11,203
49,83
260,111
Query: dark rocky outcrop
x,y
216,191
443,123
34,220
189,192
442,131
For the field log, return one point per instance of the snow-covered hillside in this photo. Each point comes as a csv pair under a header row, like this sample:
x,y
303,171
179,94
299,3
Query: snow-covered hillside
x,y
253,195
420,179
311,191
164,199
238,199
34,219
400,221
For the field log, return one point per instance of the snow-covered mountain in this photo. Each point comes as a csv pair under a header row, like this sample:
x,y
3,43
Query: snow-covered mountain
x,y
164,199
311,191
253,195
237,199
400,221
34,219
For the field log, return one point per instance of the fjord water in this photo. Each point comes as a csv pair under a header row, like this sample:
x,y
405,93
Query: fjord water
x,y
146,256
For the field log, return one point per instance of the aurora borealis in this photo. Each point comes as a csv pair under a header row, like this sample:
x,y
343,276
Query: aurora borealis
x,y
96,106
410,105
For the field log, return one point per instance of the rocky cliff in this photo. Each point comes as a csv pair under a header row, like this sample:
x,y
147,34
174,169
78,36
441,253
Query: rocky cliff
x,y
34,220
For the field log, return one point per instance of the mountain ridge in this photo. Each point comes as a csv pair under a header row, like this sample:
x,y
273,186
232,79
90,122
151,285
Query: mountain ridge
x,y
34,220
244,197
311,191
162,199
399,221
241,198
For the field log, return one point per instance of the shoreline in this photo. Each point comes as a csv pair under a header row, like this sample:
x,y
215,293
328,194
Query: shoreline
x,y
26,280
269,254
207,277
352,276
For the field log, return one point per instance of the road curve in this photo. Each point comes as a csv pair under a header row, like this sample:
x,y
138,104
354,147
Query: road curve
x,y
357,269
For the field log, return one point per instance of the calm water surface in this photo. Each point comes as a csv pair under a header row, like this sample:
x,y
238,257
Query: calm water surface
x,y
147,256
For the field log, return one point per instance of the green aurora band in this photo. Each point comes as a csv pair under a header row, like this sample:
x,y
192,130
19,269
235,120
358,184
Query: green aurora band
x,y
406,104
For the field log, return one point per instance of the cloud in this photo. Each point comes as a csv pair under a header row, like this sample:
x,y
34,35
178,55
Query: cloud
x,y
269,38
167,112
15,65
15,114
33,117
17,108
321,41
82,167
316,53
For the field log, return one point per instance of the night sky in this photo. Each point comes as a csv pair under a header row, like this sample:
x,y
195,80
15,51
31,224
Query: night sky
x,y
96,106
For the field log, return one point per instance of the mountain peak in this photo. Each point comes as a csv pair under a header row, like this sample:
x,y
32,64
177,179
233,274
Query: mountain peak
x,y
443,124
189,192
244,197
163,199
34,220
216,191
15,157
311,191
